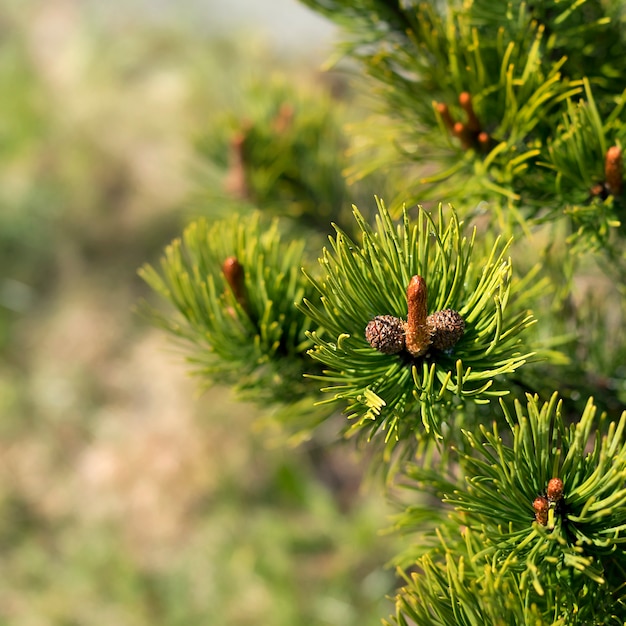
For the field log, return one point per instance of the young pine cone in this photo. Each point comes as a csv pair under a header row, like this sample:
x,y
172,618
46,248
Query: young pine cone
x,y
555,489
417,334
385,333
446,328
541,506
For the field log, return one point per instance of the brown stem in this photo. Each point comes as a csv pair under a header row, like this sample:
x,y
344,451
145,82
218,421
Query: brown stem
x,y
417,333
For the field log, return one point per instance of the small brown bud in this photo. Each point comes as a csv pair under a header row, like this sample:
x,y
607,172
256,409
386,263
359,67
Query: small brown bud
x,y
385,333
555,489
541,506
236,180
444,111
465,100
446,328
599,191
484,141
613,171
417,333
233,272
284,119
466,136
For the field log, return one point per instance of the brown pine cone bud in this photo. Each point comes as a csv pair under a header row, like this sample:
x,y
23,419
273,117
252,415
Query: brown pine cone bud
x,y
233,272
446,328
484,141
444,111
417,333
461,131
613,170
555,489
541,506
284,119
236,179
465,100
599,191
385,333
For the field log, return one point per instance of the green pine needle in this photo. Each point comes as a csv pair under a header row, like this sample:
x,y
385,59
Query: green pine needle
x,y
452,584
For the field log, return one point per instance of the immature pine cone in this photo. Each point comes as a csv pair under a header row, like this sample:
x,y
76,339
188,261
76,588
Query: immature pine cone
x,y
234,274
555,489
417,334
613,170
446,328
385,333
541,506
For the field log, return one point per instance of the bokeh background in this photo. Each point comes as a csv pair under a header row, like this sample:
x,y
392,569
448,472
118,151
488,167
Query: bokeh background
x,y
127,495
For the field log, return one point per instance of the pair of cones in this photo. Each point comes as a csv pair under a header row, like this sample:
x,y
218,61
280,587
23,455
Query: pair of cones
x,y
440,330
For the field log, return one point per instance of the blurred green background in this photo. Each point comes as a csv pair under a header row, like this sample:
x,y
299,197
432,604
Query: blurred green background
x,y
127,497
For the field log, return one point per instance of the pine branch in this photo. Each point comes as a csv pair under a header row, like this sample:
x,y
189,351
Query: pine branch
x,y
546,503
281,150
400,395
580,155
520,63
244,328
453,586
416,328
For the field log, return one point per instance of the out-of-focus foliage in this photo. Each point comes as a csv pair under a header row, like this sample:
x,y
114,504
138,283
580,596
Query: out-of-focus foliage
x,y
121,503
